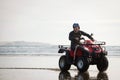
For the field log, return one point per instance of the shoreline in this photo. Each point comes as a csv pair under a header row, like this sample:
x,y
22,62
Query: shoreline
x,y
31,54
46,67
57,54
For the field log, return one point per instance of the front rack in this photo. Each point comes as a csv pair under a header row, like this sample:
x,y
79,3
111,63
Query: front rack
x,y
95,43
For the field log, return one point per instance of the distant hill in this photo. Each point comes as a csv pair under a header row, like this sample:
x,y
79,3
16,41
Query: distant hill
x,y
26,47
23,43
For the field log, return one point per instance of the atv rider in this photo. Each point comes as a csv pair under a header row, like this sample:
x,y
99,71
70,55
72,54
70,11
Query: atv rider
x,y
75,37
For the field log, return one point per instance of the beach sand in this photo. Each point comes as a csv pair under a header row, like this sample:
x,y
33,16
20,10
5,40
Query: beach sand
x,y
42,67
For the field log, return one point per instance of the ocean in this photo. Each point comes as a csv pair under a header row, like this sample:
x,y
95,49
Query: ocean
x,y
21,47
35,61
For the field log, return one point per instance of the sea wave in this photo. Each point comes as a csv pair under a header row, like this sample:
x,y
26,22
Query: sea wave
x,y
40,48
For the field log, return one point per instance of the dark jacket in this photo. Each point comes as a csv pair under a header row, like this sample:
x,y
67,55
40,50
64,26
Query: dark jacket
x,y
73,35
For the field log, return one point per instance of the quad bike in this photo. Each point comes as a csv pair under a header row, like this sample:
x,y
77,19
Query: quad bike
x,y
97,56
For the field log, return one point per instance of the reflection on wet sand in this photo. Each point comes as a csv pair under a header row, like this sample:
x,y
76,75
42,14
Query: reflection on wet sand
x,y
82,76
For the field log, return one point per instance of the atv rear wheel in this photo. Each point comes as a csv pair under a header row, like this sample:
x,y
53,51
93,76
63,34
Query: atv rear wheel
x,y
82,64
63,65
102,64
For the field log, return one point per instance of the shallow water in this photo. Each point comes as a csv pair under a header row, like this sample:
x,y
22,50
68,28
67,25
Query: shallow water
x,y
32,74
46,67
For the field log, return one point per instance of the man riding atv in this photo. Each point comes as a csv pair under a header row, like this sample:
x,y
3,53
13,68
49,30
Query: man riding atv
x,y
82,54
75,36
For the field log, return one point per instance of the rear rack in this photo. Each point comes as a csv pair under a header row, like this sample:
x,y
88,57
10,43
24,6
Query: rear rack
x,y
64,46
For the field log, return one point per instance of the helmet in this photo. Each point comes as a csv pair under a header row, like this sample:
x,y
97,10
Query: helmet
x,y
76,25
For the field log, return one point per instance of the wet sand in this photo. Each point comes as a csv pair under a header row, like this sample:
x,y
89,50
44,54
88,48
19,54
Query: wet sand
x,y
46,68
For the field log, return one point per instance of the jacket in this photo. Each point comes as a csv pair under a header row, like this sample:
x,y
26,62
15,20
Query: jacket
x,y
73,35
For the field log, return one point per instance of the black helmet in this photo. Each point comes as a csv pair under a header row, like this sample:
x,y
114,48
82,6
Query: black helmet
x,y
76,25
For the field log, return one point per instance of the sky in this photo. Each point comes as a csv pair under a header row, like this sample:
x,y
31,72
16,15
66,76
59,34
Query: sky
x,y
50,21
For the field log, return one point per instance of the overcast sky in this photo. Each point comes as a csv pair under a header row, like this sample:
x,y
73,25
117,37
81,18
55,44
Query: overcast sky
x,y
50,21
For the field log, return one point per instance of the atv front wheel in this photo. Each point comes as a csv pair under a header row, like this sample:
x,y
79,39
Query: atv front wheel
x,y
63,65
82,64
102,64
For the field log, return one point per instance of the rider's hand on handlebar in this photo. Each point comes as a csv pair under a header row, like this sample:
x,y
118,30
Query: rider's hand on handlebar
x,y
93,40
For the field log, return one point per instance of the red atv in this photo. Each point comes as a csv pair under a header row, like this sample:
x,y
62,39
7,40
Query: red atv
x,y
97,56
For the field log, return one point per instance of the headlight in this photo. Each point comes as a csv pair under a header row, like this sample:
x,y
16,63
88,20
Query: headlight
x,y
103,48
86,49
